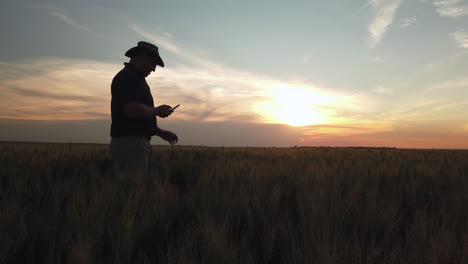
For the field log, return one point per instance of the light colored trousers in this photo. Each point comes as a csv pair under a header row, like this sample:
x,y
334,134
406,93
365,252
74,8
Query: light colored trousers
x,y
131,154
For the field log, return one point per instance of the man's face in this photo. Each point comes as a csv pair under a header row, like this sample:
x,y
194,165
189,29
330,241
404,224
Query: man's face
x,y
149,64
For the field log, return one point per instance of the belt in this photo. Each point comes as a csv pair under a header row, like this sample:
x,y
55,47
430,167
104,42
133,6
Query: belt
x,y
136,136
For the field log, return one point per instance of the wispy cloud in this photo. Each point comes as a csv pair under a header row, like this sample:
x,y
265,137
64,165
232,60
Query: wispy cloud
x,y
433,110
385,11
383,90
61,14
165,40
461,37
68,20
407,21
445,62
418,134
452,84
56,89
451,8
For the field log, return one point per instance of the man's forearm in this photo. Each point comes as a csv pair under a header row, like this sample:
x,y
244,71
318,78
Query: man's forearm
x,y
139,111
157,132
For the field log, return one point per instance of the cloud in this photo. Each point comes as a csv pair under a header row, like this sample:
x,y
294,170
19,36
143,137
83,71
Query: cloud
x,y
452,84
60,13
56,89
461,37
325,131
68,20
451,8
385,11
407,21
423,134
443,63
166,41
383,90
427,109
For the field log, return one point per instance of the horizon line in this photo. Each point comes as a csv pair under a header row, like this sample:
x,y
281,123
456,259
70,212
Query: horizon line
x,y
210,146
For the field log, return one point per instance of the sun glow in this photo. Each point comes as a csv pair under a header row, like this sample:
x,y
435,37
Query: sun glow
x,y
295,106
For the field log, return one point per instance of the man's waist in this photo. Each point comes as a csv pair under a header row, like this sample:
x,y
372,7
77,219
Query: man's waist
x,y
131,130
134,135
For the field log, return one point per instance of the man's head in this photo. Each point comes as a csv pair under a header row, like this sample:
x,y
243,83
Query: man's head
x,y
145,56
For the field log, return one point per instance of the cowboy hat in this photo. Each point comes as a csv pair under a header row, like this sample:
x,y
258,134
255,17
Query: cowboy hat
x,y
147,47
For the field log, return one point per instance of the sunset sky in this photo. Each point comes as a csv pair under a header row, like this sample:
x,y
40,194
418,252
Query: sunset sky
x,y
379,73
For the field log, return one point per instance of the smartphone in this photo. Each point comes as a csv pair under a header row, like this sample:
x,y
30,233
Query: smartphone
x,y
173,108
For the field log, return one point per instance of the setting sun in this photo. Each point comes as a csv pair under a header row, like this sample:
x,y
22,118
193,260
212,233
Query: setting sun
x,y
295,106
297,116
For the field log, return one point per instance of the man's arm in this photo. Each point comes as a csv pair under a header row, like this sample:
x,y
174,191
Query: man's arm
x,y
140,111
157,132
166,135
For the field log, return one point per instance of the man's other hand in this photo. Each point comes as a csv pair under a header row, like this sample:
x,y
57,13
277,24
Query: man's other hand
x,y
163,111
168,136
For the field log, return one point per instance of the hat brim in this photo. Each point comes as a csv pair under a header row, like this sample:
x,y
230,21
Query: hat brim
x,y
136,50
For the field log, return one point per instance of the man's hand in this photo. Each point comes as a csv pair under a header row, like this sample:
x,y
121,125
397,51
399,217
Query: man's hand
x,y
163,111
168,136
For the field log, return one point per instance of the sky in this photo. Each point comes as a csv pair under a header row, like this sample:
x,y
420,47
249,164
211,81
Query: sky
x,y
373,73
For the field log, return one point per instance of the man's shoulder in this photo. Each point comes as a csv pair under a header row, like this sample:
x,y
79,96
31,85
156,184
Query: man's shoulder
x,y
125,75
126,72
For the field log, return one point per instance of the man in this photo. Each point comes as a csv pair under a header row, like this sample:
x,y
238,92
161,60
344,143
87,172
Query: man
x,y
133,111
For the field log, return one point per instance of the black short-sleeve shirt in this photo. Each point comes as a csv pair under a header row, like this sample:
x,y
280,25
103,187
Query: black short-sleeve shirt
x,y
129,85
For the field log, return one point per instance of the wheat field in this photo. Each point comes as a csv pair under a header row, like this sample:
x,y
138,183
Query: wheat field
x,y
65,203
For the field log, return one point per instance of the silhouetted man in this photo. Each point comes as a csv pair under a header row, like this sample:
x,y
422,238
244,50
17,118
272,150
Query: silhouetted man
x,y
133,111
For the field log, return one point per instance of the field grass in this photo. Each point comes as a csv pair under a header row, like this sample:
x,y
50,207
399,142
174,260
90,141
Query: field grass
x,y
64,203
